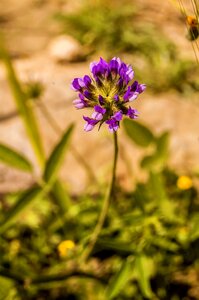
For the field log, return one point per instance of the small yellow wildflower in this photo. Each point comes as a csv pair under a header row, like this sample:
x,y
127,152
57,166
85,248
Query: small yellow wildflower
x,y
183,234
184,183
64,246
14,247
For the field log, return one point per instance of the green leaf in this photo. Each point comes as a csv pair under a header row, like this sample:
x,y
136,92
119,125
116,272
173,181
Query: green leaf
x,y
61,196
166,205
55,160
162,143
14,159
157,160
120,279
6,286
24,201
194,227
22,104
162,148
138,133
143,273
149,162
164,243
156,184
119,247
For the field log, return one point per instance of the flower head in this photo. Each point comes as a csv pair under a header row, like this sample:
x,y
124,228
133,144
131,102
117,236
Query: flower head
x,y
107,92
64,247
184,182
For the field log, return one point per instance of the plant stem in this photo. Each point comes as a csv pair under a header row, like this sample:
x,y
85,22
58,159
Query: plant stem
x,y
109,196
49,278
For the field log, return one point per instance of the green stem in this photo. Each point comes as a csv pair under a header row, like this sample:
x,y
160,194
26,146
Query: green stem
x,y
59,277
48,278
109,196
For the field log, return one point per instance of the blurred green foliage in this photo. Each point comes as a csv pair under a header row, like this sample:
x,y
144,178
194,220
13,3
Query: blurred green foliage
x,y
112,28
150,237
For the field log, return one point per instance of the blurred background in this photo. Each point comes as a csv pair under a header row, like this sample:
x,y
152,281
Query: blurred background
x,y
49,43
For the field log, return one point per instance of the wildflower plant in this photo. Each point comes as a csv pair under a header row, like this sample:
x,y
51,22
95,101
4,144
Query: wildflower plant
x,y
108,92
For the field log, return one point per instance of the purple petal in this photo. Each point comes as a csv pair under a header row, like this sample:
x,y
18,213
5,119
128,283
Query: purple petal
x,y
133,91
118,116
78,104
132,113
87,80
101,100
127,94
88,127
99,69
103,63
134,86
113,124
114,66
90,123
98,113
121,83
81,96
88,95
97,116
118,61
77,84
116,98
130,73
141,88
133,96
100,109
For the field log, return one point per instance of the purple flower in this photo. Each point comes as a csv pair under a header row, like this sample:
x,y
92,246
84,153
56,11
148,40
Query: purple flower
x,y
133,91
80,103
77,84
113,66
132,113
114,121
98,113
90,123
107,91
87,81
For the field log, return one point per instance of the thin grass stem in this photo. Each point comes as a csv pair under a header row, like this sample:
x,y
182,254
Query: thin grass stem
x,y
105,206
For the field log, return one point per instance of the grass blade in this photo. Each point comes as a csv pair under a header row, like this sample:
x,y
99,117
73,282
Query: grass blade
x,y
55,160
14,159
22,104
143,276
120,279
24,201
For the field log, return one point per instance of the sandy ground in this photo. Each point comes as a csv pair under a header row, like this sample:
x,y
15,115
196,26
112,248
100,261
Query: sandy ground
x,y
162,112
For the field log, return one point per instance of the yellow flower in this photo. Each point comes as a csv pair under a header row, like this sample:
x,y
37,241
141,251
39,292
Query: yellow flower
x,y
184,183
64,246
14,247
